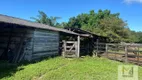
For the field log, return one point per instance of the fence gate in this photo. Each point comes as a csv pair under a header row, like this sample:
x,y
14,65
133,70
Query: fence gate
x,y
70,49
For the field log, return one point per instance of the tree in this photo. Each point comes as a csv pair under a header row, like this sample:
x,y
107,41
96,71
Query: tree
x,y
44,19
102,23
139,36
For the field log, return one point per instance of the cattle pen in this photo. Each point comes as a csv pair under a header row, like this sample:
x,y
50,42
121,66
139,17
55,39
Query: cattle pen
x,y
128,52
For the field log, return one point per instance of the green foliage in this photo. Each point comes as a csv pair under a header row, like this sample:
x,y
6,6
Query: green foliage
x,y
44,19
139,37
59,68
136,36
102,23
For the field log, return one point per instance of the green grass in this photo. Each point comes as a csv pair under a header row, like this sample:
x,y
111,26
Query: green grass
x,y
59,68
140,49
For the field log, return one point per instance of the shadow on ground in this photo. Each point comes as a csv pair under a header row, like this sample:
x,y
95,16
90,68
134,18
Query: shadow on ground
x,y
8,69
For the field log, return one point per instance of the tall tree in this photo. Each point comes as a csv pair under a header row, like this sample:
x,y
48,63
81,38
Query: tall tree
x,y
102,23
44,19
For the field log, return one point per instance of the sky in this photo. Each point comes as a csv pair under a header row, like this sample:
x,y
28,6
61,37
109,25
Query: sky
x,y
130,10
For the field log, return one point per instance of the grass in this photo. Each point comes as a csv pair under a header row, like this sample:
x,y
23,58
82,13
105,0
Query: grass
x,y
140,49
59,68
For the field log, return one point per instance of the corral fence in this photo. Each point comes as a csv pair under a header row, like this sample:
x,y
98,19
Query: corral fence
x,y
121,52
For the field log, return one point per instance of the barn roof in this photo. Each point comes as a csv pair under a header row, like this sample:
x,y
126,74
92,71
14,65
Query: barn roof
x,y
83,32
18,21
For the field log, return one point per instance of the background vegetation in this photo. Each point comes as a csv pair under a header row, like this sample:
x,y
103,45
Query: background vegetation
x,y
103,23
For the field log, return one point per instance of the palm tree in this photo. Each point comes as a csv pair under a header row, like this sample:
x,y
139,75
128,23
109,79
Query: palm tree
x,y
44,19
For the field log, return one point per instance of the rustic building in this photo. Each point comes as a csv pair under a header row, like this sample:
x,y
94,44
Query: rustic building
x,y
25,40
89,43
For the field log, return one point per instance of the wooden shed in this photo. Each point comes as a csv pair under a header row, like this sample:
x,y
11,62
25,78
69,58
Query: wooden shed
x,y
89,43
25,40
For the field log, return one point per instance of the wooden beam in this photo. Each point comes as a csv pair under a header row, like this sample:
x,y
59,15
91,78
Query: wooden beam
x,y
78,46
97,47
107,50
86,35
126,53
64,48
70,42
138,55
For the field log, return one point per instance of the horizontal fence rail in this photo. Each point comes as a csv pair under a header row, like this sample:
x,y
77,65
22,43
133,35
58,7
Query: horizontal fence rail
x,y
121,52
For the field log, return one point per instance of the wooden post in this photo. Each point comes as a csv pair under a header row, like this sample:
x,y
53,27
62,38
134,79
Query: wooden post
x,y
138,56
107,50
97,47
126,54
116,47
88,48
78,46
33,42
64,48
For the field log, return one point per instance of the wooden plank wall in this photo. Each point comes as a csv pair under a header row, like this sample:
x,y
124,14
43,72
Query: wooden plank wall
x,y
46,43
27,43
17,41
4,37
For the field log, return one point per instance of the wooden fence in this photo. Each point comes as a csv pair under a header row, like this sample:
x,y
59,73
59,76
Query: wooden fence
x,y
121,52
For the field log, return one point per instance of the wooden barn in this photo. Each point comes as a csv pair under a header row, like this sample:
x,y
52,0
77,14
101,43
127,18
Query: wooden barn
x,y
24,40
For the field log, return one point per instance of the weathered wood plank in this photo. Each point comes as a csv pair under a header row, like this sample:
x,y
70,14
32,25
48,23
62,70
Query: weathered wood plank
x,y
38,56
45,43
46,40
1,51
70,50
42,52
44,31
3,45
78,46
44,49
47,34
4,38
28,42
5,30
70,42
